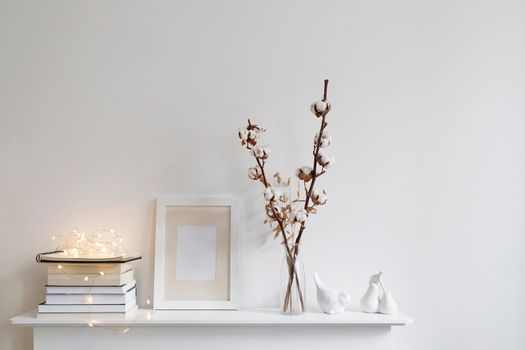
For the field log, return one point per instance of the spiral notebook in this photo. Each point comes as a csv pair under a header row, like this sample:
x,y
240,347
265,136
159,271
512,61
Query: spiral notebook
x,y
58,256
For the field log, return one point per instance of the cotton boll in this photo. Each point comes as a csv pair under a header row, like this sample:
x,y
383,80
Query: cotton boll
x,y
304,173
261,152
324,141
248,138
243,134
251,135
268,194
277,206
298,215
272,194
318,198
269,212
325,161
273,208
323,135
330,162
277,193
320,108
254,173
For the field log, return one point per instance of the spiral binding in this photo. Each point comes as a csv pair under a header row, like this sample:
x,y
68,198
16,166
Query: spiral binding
x,y
38,258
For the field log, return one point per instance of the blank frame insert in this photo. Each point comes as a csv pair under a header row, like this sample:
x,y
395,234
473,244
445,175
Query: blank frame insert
x,y
196,253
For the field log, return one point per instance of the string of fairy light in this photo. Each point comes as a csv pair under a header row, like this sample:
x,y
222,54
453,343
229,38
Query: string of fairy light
x,y
100,243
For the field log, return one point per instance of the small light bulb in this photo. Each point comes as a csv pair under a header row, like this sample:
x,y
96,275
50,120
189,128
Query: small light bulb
x,y
53,238
101,273
112,231
121,239
99,235
60,266
125,330
148,301
90,324
86,278
89,299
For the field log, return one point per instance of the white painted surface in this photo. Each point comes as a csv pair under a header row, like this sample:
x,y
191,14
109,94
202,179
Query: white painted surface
x,y
244,329
148,317
203,337
105,105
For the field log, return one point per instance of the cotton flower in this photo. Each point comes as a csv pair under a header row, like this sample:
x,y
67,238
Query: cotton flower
x,y
318,197
277,206
248,137
325,161
272,194
254,173
305,173
273,208
298,215
268,194
320,108
261,152
325,139
243,134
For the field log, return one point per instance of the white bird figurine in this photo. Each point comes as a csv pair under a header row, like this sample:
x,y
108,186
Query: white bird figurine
x,y
330,300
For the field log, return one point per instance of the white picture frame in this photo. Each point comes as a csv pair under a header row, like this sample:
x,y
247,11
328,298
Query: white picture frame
x,y
176,215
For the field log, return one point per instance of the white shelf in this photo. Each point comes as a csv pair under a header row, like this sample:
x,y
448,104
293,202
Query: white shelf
x,y
148,317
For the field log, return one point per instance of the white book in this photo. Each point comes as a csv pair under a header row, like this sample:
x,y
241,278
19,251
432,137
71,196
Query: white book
x,y
87,269
92,280
129,315
90,290
93,299
62,257
86,308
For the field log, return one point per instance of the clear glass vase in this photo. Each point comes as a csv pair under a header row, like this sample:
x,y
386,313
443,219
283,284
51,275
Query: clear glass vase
x,y
293,297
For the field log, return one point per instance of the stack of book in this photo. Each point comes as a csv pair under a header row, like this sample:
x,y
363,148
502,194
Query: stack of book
x,y
88,285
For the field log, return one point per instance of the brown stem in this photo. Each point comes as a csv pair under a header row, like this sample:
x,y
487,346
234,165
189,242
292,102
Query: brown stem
x,y
314,177
290,256
292,273
314,171
275,214
306,203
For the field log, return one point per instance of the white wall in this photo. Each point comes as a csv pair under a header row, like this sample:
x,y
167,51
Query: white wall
x,y
106,104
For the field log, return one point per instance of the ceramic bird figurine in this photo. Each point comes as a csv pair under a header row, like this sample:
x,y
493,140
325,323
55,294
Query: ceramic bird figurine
x,y
370,300
330,300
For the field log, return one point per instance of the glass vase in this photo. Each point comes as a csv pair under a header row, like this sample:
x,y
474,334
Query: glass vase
x,y
293,297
